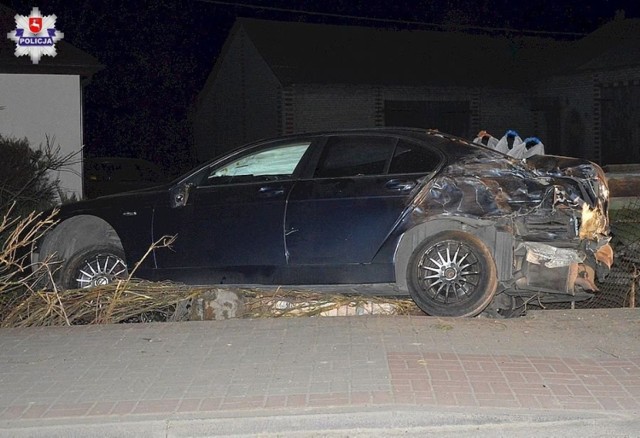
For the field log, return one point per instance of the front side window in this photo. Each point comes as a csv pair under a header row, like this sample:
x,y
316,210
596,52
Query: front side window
x,y
277,162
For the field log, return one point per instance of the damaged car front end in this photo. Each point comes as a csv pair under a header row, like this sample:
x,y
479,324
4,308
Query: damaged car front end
x,y
546,219
564,244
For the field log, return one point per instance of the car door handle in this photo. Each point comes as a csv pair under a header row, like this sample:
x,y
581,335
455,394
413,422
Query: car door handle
x,y
399,185
270,192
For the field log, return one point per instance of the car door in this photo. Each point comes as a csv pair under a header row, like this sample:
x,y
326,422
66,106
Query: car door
x,y
358,190
230,229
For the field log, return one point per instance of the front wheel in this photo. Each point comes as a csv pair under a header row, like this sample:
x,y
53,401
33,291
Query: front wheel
x,y
452,274
94,266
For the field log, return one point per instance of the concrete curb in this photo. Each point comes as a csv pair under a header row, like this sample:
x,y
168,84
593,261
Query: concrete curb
x,y
395,422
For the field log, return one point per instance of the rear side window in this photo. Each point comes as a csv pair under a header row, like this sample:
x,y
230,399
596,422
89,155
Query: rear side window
x,y
412,158
355,156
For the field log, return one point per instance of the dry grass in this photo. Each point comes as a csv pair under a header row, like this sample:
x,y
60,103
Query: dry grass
x,y
17,235
142,301
292,302
123,301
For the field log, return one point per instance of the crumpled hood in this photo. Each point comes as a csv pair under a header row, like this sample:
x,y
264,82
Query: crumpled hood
x,y
548,188
580,169
592,179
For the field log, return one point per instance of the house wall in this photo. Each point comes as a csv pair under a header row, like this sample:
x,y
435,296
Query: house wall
x,y
37,106
574,100
434,94
239,104
328,107
620,109
317,107
619,75
578,106
619,92
247,102
504,109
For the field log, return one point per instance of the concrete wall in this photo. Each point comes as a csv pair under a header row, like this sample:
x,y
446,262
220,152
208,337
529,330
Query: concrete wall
x,y
36,106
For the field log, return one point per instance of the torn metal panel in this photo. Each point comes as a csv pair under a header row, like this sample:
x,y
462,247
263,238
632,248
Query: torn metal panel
x,y
550,256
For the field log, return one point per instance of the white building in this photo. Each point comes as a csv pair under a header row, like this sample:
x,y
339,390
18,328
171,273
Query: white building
x,y
45,99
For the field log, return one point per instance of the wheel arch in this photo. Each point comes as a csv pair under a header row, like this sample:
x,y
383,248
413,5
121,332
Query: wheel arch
x,y
77,233
498,243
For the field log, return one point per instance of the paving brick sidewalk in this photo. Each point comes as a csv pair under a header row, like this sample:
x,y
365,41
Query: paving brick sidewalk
x,y
556,360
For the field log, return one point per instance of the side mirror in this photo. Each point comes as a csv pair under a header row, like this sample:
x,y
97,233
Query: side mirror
x,y
180,195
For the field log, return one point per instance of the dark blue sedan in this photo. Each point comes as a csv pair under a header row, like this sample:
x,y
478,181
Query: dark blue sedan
x,y
458,226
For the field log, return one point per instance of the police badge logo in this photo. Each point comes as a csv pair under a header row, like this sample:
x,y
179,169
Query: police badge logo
x,y
35,35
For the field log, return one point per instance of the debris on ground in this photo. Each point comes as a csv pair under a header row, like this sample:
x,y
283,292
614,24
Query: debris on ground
x,y
144,301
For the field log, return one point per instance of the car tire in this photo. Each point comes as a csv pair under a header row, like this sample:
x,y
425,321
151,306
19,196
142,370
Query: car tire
x,y
93,266
452,274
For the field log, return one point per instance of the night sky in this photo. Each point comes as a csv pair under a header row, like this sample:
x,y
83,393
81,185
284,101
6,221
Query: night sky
x,y
157,54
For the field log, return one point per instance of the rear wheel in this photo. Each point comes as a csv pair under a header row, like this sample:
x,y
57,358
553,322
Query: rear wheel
x,y
93,266
452,274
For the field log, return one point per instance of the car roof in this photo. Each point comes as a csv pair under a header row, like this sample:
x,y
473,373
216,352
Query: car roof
x,y
418,133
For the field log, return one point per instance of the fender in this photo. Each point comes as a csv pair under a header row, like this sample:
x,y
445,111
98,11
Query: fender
x,y
500,243
75,233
